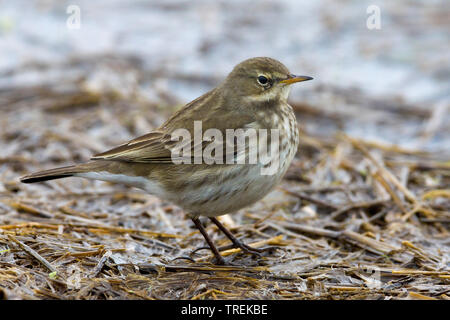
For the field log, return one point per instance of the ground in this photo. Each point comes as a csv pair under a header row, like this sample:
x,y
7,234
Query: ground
x,y
353,219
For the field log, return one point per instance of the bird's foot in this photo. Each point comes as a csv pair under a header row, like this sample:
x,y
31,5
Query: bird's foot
x,y
221,261
250,250
218,259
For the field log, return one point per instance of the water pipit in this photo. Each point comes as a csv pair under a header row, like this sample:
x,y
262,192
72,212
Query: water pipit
x,y
213,175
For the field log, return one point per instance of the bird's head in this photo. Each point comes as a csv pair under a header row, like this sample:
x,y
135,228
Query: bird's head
x,y
261,79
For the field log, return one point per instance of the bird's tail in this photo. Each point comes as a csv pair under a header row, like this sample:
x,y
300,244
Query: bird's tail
x,y
51,174
59,173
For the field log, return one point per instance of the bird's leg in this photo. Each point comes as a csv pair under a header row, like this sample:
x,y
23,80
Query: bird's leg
x,y
236,242
219,259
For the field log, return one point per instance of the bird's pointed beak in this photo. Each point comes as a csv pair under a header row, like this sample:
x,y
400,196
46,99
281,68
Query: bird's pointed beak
x,y
293,79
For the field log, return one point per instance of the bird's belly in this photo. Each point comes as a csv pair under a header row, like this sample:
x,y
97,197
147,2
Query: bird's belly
x,y
228,189
231,187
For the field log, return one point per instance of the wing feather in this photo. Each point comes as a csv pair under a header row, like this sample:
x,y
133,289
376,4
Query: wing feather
x,y
156,146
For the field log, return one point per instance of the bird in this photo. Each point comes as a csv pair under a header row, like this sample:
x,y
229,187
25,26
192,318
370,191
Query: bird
x,y
251,100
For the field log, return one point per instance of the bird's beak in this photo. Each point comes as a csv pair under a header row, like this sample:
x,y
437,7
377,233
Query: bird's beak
x,y
293,79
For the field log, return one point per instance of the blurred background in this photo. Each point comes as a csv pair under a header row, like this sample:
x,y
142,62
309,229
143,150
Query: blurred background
x,y
385,80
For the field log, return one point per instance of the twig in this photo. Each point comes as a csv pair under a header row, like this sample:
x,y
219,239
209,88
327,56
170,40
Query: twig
x,y
211,292
275,241
33,253
214,268
378,177
347,235
369,243
279,228
420,166
311,230
100,229
98,268
306,197
417,295
356,205
325,189
408,194
19,206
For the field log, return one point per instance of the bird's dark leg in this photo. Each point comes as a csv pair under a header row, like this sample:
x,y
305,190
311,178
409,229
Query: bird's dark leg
x,y
236,242
219,259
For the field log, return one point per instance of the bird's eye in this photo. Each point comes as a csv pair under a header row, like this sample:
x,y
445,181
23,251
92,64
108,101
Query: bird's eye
x,y
263,80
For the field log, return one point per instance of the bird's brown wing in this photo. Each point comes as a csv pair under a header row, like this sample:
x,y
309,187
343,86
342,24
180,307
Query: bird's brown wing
x,y
150,148
157,146
154,147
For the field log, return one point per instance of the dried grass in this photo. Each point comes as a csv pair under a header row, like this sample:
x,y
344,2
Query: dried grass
x,y
353,219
